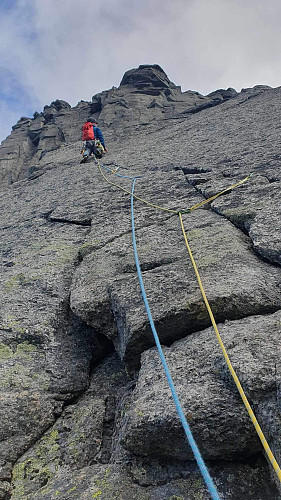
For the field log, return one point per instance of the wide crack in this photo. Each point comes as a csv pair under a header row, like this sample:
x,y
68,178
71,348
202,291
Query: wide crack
x,y
241,222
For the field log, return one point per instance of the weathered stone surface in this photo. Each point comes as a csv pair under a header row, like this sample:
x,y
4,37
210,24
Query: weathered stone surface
x,y
70,296
257,211
146,94
236,282
77,437
218,419
14,152
177,482
22,152
46,351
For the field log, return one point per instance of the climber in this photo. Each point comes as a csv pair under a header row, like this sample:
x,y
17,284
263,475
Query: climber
x,y
88,137
94,141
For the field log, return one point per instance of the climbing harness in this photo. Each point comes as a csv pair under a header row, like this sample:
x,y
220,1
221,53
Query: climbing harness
x,y
203,469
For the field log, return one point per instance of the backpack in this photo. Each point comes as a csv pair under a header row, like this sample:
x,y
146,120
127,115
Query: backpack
x,y
88,132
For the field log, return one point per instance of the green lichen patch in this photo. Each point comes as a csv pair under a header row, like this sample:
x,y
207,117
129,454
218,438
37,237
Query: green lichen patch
x,y
11,324
19,375
18,280
5,352
17,371
37,470
97,494
25,348
87,248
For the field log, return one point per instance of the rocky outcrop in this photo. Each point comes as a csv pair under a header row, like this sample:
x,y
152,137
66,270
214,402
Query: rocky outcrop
x,y
146,94
228,431
147,77
15,151
224,258
85,408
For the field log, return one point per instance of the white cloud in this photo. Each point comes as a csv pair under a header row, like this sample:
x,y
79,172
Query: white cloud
x,y
71,50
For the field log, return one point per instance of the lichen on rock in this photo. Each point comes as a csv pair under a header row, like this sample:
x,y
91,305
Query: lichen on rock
x,y
85,408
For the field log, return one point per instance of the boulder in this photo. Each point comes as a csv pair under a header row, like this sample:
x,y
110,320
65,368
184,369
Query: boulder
x,y
213,408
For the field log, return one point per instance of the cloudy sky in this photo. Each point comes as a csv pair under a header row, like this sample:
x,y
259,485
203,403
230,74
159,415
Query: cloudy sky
x,y
72,49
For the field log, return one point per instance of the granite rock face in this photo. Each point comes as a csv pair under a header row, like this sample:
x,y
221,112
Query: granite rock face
x,y
152,406
85,408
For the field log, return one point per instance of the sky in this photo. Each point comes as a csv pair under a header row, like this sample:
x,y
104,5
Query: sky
x,y
73,49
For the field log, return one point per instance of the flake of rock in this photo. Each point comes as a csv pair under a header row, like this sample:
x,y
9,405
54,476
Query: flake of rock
x,y
236,282
217,417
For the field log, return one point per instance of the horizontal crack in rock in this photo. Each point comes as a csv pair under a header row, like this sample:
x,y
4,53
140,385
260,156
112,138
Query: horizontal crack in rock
x,y
66,221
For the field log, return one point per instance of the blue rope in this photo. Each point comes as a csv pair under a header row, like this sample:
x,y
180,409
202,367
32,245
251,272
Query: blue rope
x,y
119,175
204,471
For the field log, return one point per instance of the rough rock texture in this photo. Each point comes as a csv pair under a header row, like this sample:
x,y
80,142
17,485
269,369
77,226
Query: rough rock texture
x,y
85,408
205,387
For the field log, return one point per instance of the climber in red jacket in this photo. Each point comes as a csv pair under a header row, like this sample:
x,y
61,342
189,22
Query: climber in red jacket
x,y
88,137
90,134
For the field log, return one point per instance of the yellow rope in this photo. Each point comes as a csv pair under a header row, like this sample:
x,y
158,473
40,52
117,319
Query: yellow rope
x,y
231,369
216,195
169,209
135,196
